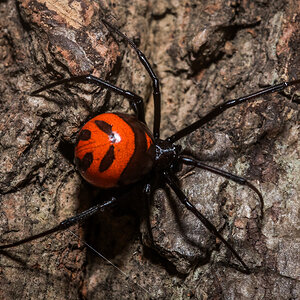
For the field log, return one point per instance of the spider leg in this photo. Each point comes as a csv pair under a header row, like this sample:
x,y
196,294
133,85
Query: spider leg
x,y
155,80
135,101
171,181
225,105
64,224
240,180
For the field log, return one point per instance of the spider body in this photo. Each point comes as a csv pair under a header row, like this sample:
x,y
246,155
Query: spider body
x,y
113,150
116,149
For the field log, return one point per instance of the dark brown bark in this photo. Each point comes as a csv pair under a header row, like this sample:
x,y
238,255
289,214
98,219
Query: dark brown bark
x,y
203,52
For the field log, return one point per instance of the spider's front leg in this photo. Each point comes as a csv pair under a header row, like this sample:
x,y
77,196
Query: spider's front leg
x,y
135,101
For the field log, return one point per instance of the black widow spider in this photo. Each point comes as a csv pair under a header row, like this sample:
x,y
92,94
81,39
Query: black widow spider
x,y
163,157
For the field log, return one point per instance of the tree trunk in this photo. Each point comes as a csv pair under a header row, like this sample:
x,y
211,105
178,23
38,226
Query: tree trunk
x,y
204,52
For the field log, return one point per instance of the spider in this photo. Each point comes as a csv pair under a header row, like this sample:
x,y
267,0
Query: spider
x,y
114,150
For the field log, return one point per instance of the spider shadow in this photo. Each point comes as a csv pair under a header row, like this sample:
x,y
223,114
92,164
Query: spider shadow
x,y
113,230
184,229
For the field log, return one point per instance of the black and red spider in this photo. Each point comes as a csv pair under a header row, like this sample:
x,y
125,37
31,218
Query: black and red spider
x,y
115,149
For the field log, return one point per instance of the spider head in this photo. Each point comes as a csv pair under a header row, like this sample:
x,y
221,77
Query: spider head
x,y
166,154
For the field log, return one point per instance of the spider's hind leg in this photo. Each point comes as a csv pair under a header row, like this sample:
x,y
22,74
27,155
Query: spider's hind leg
x,y
171,181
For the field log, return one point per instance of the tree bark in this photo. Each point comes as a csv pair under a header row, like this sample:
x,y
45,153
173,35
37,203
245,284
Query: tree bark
x,y
204,52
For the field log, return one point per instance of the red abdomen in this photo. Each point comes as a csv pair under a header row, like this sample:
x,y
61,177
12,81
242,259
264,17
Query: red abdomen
x,y
114,149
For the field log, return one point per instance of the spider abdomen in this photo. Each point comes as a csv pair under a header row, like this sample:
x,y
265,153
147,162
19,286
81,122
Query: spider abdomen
x,y
114,149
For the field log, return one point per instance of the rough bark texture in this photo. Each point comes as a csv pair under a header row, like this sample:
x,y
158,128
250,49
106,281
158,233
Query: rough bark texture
x,y
203,52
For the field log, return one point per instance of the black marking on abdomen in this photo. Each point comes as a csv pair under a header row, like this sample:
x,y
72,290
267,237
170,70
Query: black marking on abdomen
x,y
106,128
84,163
108,159
142,159
84,135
